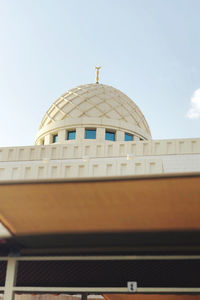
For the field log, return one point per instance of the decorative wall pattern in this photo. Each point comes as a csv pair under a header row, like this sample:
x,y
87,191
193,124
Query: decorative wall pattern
x,y
105,149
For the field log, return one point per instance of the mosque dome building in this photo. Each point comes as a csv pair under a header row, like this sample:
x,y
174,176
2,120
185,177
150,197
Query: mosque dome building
x,y
95,130
93,111
97,206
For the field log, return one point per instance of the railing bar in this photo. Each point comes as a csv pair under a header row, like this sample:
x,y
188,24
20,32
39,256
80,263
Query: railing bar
x,y
121,257
107,289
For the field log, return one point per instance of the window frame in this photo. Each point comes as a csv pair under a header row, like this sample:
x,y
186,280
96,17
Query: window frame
x,y
54,138
70,131
110,131
127,134
90,129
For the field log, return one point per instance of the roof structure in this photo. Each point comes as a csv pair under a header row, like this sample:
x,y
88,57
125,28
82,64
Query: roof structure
x,y
143,230
95,101
93,104
109,205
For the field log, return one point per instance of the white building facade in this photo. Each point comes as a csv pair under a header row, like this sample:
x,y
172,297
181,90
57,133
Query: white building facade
x,y
95,130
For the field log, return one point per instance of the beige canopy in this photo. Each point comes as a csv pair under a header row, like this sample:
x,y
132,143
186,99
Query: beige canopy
x,y
118,204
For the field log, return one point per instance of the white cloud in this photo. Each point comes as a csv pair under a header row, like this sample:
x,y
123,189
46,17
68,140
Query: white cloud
x,y
194,111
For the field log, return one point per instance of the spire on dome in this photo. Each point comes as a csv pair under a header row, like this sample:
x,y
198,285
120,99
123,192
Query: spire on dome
x,y
97,74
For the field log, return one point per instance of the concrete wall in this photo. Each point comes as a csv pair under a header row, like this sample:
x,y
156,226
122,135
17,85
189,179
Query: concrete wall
x,y
92,159
104,149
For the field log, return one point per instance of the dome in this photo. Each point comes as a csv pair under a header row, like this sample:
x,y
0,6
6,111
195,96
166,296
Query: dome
x,y
94,105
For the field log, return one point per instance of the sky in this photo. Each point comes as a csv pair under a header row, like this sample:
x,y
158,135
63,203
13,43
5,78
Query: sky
x,y
148,49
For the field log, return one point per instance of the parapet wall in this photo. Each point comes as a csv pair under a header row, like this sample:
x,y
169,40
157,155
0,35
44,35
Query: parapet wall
x,y
79,169
105,149
90,159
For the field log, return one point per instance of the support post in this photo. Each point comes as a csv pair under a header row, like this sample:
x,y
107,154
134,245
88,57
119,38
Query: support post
x,y
10,278
84,296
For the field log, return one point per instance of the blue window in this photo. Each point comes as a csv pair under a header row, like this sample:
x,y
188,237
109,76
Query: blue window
x,y
110,135
55,138
128,137
71,135
90,134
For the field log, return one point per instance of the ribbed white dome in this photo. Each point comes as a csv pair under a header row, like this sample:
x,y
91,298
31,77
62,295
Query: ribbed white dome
x,y
94,101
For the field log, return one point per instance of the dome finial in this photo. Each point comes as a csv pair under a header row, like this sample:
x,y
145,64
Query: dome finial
x,y
97,74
